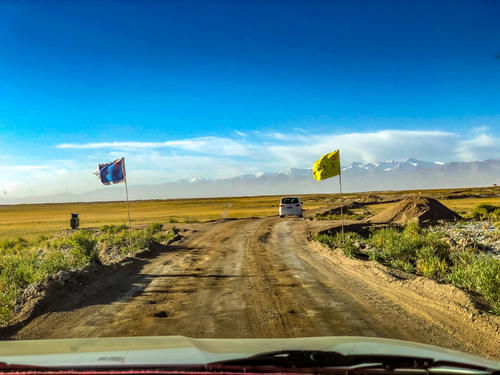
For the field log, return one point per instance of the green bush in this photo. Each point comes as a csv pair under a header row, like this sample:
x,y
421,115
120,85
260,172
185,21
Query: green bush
x,y
478,273
347,244
486,211
430,264
84,248
395,248
13,246
155,228
411,250
8,295
54,261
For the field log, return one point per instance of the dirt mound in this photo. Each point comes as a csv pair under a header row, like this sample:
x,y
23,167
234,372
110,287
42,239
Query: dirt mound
x,y
419,209
345,208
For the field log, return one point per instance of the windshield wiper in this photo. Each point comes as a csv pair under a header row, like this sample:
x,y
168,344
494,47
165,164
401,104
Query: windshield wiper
x,y
298,359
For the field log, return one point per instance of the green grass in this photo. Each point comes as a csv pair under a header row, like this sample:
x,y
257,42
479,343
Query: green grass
x,y
346,244
24,262
416,250
411,250
486,211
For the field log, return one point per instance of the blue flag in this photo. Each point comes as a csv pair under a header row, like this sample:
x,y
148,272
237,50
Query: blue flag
x,y
112,173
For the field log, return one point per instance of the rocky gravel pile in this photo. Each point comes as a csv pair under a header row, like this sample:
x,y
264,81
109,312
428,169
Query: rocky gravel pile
x,y
482,235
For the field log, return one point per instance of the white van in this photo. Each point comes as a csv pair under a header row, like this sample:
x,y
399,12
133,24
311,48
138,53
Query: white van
x,y
290,206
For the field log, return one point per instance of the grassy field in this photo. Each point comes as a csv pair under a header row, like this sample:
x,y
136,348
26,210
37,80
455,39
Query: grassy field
x,y
30,221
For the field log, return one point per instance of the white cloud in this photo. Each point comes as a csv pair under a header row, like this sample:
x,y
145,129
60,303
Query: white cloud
x,y
224,157
481,129
301,150
241,134
226,146
276,150
19,181
480,147
6,168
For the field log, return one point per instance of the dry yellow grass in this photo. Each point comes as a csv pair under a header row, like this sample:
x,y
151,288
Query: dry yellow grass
x,y
465,205
32,220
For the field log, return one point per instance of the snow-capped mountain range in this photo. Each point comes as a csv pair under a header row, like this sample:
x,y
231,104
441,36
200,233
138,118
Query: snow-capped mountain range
x,y
390,165
356,177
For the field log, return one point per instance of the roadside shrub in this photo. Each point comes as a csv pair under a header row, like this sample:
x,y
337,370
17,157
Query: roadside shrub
x,y
411,250
430,264
480,274
349,246
155,228
486,211
19,270
326,240
13,246
84,248
395,248
8,295
53,262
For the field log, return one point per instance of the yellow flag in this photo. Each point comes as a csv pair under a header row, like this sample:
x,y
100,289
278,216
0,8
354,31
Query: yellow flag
x,y
327,166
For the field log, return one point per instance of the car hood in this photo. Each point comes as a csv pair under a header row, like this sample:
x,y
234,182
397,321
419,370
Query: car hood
x,y
172,350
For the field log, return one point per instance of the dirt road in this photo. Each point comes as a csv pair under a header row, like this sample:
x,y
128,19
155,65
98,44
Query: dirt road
x,y
263,278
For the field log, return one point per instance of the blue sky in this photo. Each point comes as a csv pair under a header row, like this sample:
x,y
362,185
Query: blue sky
x,y
221,88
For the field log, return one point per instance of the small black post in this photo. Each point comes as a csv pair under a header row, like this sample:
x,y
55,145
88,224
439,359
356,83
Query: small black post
x,y
75,221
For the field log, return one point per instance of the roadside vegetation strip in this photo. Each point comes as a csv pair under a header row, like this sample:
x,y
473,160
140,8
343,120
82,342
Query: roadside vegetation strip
x,y
486,211
417,250
23,262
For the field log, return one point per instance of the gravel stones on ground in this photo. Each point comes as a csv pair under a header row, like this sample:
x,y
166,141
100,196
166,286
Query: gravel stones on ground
x,y
482,235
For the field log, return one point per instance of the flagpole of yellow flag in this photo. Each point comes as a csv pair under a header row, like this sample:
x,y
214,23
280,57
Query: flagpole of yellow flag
x,y
328,166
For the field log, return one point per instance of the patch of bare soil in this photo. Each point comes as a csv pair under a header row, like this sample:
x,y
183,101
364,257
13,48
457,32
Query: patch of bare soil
x,y
417,208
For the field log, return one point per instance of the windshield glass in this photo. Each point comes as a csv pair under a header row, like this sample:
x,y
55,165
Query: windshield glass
x,y
290,200
250,170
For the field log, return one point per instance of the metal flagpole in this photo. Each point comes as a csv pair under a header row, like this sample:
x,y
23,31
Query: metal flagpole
x,y
128,205
341,204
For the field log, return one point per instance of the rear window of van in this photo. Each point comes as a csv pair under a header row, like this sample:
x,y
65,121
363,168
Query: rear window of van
x,y
290,200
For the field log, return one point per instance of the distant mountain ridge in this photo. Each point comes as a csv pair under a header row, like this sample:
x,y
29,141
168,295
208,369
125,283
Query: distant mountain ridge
x,y
356,177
